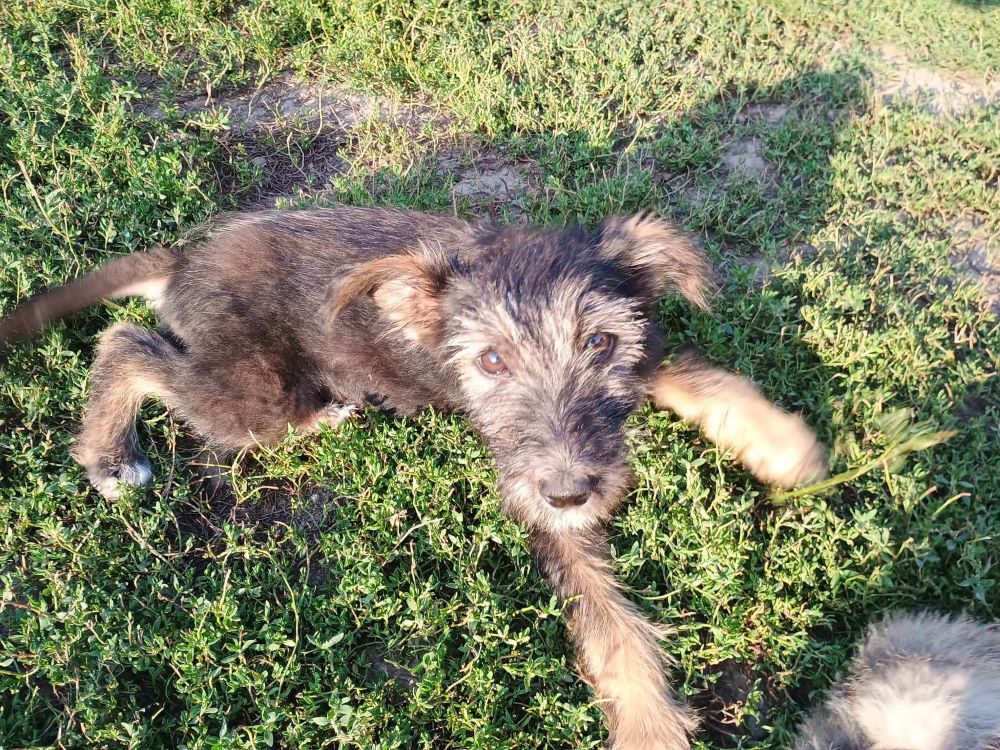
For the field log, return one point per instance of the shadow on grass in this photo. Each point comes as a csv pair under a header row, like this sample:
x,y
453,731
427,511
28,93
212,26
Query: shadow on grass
x,y
983,5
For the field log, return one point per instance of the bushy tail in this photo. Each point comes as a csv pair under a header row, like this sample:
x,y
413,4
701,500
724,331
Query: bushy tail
x,y
135,274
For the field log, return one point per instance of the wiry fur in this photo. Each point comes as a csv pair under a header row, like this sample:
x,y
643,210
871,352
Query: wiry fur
x,y
919,682
295,317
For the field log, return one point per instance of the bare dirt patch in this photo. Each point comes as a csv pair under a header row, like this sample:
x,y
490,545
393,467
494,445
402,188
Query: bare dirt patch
x,y
283,98
491,182
984,267
943,91
289,136
976,255
736,683
272,514
746,157
772,114
497,182
292,139
280,162
764,266
693,194
382,668
275,511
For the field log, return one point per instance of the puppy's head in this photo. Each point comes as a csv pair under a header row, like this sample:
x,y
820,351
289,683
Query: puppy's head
x,y
550,337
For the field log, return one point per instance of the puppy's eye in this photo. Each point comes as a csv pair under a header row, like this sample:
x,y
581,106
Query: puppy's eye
x,y
600,345
492,364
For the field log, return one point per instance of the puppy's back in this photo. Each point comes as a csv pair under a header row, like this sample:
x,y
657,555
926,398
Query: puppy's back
x,y
254,271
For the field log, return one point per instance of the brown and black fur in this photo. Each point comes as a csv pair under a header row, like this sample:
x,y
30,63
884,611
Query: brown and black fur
x,y
297,317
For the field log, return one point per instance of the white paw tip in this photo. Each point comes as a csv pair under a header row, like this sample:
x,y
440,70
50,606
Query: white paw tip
x,y
135,475
335,414
108,488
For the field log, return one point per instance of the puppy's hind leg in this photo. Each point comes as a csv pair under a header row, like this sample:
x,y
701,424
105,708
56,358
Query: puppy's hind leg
x,y
131,363
776,446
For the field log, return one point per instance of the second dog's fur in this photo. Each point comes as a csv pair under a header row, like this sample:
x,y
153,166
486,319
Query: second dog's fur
x,y
547,340
918,682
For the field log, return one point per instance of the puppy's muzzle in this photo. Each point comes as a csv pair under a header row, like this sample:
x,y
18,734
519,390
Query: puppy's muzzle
x,y
567,489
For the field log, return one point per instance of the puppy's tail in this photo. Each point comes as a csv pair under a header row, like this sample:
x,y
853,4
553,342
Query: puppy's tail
x,y
139,274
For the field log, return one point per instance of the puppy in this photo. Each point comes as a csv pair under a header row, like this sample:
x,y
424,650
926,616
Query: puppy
x,y
546,339
918,682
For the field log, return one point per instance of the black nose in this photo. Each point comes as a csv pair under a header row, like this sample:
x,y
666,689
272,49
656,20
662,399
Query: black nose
x,y
565,490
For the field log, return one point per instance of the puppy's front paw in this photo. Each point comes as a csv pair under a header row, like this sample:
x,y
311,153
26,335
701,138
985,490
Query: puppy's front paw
x,y
336,414
780,449
107,478
650,743
333,415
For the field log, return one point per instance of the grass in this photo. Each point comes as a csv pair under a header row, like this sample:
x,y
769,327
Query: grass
x,y
362,589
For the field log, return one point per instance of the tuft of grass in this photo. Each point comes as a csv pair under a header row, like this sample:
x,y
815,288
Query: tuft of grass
x,y
362,589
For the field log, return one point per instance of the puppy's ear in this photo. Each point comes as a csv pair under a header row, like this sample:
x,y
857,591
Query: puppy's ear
x,y
405,287
661,255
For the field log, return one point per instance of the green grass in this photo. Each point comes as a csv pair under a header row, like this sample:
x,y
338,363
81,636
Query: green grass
x,y
363,589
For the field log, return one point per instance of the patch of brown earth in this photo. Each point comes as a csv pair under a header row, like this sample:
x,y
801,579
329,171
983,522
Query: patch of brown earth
x,y
273,513
723,704
976,255
490,183
382,669
943,91
279,162
290,139
772,114
275,510
282,99
763,266
746,157
288,136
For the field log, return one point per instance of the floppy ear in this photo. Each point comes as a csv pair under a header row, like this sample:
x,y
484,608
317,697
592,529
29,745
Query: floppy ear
x,y
406,288
661,255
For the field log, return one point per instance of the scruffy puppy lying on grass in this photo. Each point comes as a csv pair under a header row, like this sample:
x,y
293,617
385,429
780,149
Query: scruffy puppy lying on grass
x,y
545,339
918,682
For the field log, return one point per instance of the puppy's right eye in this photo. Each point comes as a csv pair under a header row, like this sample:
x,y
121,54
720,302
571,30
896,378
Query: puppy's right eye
x,y
492,364
600,345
